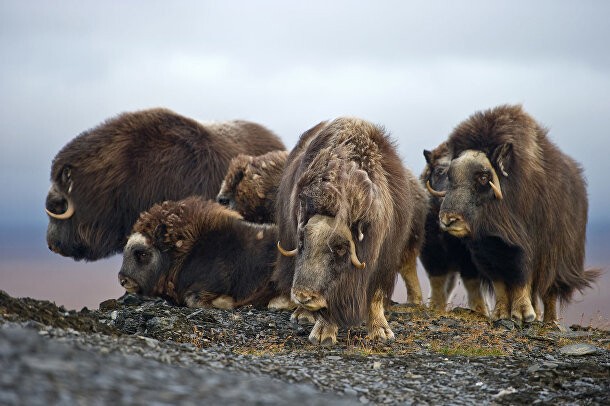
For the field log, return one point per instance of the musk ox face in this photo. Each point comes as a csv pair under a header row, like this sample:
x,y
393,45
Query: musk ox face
x,y
73,230
435,174
143,264
472,184
326,255
250,185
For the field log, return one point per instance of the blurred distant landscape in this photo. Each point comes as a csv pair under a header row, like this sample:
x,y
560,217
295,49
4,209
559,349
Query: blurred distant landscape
x,y
29,269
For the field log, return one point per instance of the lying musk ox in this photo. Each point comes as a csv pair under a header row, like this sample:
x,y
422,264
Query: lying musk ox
x,y
443,255
520,204
250,185
102,179
197,253
352,216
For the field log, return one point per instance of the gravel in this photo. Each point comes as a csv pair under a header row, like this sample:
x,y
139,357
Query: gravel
x,y
143,351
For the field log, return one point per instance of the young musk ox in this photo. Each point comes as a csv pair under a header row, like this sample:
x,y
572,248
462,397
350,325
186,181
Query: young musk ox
x,y
352,216
250,185
106,176
520,205
198,253
443,255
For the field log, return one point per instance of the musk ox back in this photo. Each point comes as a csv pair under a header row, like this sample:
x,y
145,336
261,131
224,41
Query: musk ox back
x,y
250,185
197,253
521,206
349,216
443,255
103,178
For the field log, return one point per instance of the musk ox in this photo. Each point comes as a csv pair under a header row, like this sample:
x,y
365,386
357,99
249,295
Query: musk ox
x,y
106,176
352,216
443,255
250,185
520,205
197,253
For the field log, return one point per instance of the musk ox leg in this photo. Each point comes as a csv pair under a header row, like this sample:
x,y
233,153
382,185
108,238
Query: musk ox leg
x,y
282,302
502,308
476,301
521,308
199,299
408,271
323,333
377,325
223,302
550,308
440,290
302,316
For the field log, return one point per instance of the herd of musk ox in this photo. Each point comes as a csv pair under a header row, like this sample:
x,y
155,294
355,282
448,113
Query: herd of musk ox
x,y
220,214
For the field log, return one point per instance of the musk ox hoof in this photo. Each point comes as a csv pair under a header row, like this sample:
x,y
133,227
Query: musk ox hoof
x,y
323,333
524,312
439,306
501,313
302,316
380,334
281,303
223,302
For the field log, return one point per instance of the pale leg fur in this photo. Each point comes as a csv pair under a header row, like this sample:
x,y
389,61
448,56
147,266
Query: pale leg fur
x,y
522,308
549,302
223,302
302,316
476,301
377,325
282,302
438,292
502,308
323,333
408,271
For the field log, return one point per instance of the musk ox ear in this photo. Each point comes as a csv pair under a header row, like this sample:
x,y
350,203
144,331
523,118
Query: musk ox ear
x,y
428,156
502,157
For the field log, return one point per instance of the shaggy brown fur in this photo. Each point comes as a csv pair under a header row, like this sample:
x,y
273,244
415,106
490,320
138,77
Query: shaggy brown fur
x,y
540,224
250,186
348,172
206,251
116,170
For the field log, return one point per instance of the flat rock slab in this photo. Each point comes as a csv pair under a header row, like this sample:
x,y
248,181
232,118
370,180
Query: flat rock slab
x,y
579,349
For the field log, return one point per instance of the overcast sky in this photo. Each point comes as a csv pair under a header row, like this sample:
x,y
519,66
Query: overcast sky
x,y
418,68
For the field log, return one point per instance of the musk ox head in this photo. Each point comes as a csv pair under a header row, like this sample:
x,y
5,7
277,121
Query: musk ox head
x,y
473,185
251,183
434,175
143,265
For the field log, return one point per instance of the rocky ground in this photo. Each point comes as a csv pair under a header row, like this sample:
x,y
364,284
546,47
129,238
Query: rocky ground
x,y
143,351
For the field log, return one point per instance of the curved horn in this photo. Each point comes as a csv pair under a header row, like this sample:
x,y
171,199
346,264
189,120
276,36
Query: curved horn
x,y
495,185
354,257
285,253
65,215
433,192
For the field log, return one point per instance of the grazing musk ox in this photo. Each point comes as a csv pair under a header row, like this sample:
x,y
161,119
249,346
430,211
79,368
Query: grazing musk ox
x,y
197,253
250,185
352,216
103,178
521,206
443,255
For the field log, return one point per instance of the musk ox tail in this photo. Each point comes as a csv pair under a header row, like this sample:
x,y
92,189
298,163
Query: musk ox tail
x,y
580,283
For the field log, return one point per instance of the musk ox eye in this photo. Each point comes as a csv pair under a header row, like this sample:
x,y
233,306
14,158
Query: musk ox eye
x,y
141,255
483,178
340,251
66,174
